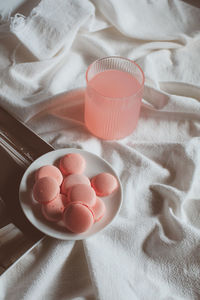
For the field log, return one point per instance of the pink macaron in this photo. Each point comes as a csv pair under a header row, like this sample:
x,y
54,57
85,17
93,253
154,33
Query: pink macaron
x,y
45,189
78,217
98,209
72,180
50,171
53,211
104,184
82,193
72,163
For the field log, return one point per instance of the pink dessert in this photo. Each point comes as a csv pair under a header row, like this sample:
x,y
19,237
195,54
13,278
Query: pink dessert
x,y
98,209
53,211
50,171
78,217
72,163
104,184
72,180
45,190
82,193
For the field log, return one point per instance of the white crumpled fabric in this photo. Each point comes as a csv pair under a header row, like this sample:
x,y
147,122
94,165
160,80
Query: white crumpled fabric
x,y
152,249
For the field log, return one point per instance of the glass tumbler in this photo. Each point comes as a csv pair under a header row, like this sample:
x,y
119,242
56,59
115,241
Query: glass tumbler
x,y
113,97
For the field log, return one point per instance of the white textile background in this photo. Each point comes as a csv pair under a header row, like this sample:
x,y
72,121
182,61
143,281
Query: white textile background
x,y
152,250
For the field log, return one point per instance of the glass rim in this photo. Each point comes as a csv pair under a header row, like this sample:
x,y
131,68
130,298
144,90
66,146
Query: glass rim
x,y
118,57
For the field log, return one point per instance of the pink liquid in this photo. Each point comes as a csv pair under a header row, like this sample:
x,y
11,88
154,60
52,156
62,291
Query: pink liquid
x,y
112,104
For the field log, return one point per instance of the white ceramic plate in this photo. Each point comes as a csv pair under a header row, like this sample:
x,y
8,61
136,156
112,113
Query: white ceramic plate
x,y
32,210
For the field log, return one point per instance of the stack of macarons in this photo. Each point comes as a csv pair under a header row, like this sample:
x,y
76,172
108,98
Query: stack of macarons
x,y
69,196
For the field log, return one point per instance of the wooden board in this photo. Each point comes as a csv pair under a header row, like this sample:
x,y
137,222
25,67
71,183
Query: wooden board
x,y
19,146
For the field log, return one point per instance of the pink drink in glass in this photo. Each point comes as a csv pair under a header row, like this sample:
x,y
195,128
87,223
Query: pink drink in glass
x,y
113,97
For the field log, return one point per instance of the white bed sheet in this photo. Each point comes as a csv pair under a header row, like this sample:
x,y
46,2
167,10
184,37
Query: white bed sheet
x,y
152,249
